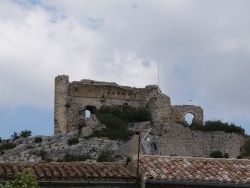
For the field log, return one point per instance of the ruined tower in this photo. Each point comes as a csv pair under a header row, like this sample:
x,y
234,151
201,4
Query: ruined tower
x,y
60,104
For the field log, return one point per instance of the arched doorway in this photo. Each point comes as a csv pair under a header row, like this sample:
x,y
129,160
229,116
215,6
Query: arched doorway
x,y
189,118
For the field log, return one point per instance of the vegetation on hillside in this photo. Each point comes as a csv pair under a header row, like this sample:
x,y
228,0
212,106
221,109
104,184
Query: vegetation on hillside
x,y
116,119
106,156
22,134
218,125
9,144
72,157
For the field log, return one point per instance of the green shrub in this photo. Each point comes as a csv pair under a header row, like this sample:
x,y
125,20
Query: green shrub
x,y
38,139
7,145
116,129
216,154
106,156
218,126
15,136
25,133
72,158
43,154
73,141
126,113
116,119
240,156
24,179
245,149
29,147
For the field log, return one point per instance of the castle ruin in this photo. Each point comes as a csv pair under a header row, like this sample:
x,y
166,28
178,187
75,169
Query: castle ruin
x,y
74,99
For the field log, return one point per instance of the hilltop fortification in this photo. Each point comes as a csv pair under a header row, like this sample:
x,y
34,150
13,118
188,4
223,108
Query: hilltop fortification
x,y
74,99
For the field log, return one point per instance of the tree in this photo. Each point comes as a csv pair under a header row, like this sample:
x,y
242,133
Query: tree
x,y
25,133
24,179
15,136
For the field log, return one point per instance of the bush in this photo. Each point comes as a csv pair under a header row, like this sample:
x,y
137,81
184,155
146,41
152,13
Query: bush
x,y
216,154
245,149
218,126
116,129
72,158
73,141
7,145
15,136
24,179
106,156
25,133
127,113
116,119
38,139
29,147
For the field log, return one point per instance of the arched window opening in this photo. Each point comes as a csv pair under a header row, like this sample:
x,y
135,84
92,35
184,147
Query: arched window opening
x,y
189,117
89,110
87,113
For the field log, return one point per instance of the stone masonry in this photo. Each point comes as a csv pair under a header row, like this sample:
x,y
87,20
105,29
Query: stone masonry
x,y
74,99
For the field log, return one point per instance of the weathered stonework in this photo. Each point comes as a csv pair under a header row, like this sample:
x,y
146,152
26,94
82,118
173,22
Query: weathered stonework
x,y
179,113
174,139
72,99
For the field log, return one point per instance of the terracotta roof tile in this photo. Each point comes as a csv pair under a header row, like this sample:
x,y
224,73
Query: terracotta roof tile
x,y
195,169
69,171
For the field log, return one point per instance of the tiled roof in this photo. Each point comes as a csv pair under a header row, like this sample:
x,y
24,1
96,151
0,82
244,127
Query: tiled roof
x,y
195,169
71,171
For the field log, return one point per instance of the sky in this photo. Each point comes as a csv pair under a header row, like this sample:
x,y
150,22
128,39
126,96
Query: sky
x,y
202,46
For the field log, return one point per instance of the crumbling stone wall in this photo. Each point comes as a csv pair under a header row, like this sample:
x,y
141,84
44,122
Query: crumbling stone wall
x,y
179,112
72,99
181,141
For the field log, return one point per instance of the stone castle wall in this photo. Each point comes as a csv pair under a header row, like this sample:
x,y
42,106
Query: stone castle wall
x,y
177,140
72,99
179,112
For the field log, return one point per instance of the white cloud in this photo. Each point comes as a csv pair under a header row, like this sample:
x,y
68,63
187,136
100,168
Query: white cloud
x,y
204,49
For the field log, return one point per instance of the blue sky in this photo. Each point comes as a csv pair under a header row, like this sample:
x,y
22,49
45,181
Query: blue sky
x,y
204,49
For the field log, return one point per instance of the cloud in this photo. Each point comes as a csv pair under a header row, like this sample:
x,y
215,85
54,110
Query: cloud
x,y
203,49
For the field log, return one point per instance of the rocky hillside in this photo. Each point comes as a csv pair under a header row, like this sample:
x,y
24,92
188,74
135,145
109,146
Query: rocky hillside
x,y
64,147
